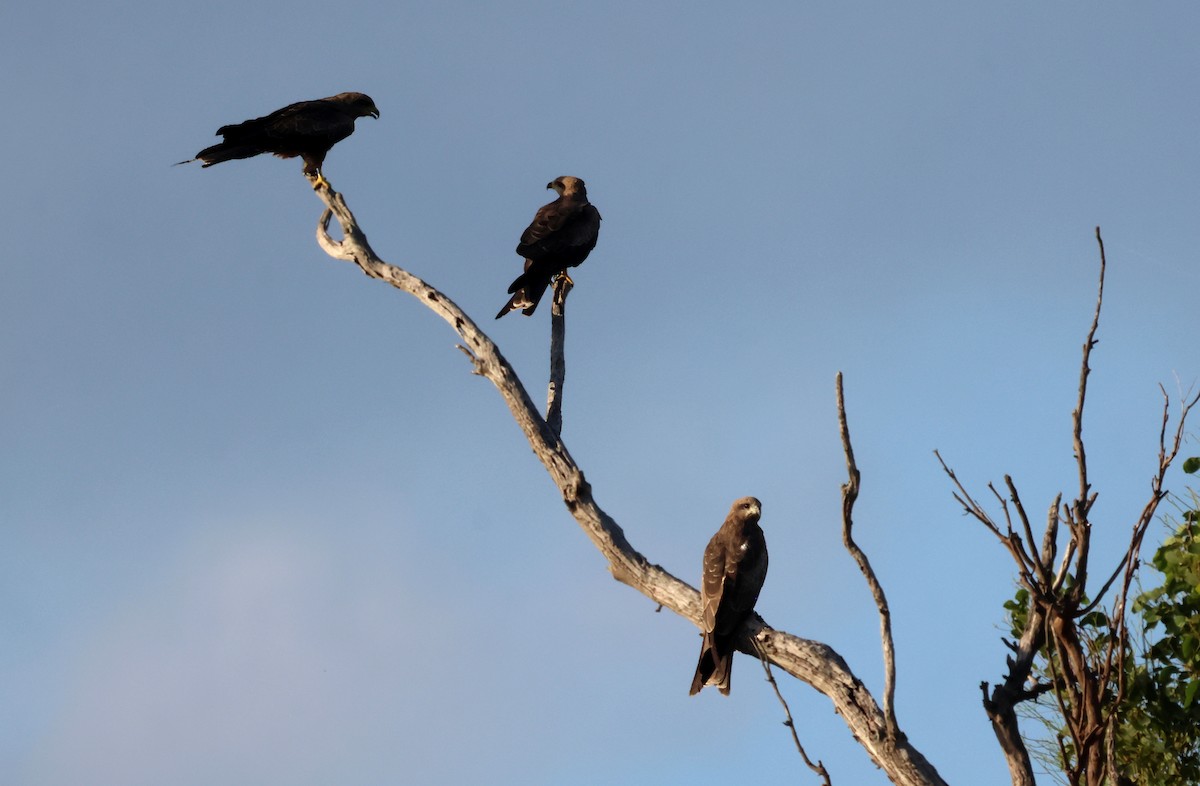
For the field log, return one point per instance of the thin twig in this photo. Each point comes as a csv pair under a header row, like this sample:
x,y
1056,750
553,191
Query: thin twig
x,y
1012,541
1083,503
1166,457
1119,631
1042,569
819,767
963,497
849,495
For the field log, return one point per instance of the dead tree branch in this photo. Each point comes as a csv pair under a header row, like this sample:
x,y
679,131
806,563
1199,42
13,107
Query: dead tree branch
x,y
809,661
849,496
819,766
1084,678
558,362
1082,505
1001,705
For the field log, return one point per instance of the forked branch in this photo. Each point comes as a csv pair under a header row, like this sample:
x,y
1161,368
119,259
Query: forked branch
x,y
810,661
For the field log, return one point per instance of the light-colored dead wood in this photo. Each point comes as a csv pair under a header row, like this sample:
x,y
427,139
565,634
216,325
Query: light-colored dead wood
x,y
809,661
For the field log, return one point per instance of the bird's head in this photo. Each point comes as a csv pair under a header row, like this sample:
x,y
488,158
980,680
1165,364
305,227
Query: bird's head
x,y
747,509
360,103
566,184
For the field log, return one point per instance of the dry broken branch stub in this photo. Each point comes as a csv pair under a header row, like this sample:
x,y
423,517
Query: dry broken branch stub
x,y
812,662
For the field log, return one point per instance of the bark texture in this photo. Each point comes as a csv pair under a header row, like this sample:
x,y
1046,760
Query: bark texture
x,y
811,662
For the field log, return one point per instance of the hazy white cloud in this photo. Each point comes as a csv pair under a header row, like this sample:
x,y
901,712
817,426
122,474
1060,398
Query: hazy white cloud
x,y
241,664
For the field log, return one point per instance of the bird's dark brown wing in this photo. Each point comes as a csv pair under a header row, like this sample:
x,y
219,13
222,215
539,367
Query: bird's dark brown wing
x,y
735,565
313,119
744,572
562,227
307,129
301,124
712,587
561,236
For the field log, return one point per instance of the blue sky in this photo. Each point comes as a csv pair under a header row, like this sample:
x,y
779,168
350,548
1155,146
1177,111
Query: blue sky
x,y
259,523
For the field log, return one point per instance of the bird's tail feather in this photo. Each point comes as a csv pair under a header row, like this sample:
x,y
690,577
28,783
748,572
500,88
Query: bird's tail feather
x,y
526,296
714,668
511,305
519,300
224,152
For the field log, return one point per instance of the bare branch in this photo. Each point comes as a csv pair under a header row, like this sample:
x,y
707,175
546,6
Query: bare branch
x,y
1001,705
1050,536
1012,541
1008,527
964,498
849,495
819,767
812,662
1166,457
1083,676
1051,618
1064,566
1033,559
1114,672
558,363
1083,503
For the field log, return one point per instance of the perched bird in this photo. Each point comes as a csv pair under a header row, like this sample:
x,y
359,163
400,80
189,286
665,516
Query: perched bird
x,y
735,564
307,129
562,235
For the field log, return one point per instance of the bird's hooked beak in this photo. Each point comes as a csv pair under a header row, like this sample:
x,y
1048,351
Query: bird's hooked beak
x,y
550,184
374,113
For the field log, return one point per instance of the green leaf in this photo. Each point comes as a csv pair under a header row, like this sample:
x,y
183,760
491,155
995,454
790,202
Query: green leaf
x,y
1187,646
1191,465
1189,693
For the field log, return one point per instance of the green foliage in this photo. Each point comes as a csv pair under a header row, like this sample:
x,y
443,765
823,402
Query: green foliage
x,y
1158,721
1018,612
1158,737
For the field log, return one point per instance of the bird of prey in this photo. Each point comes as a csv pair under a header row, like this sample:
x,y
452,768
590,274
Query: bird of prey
x,y
735,564
562,235
306,129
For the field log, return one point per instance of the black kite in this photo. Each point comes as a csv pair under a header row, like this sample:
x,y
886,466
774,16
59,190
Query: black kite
x,y
562,235
307,129
735,565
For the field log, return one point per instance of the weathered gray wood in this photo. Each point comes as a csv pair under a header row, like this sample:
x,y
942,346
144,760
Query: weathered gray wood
x,y
809,661
849,496
558,361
